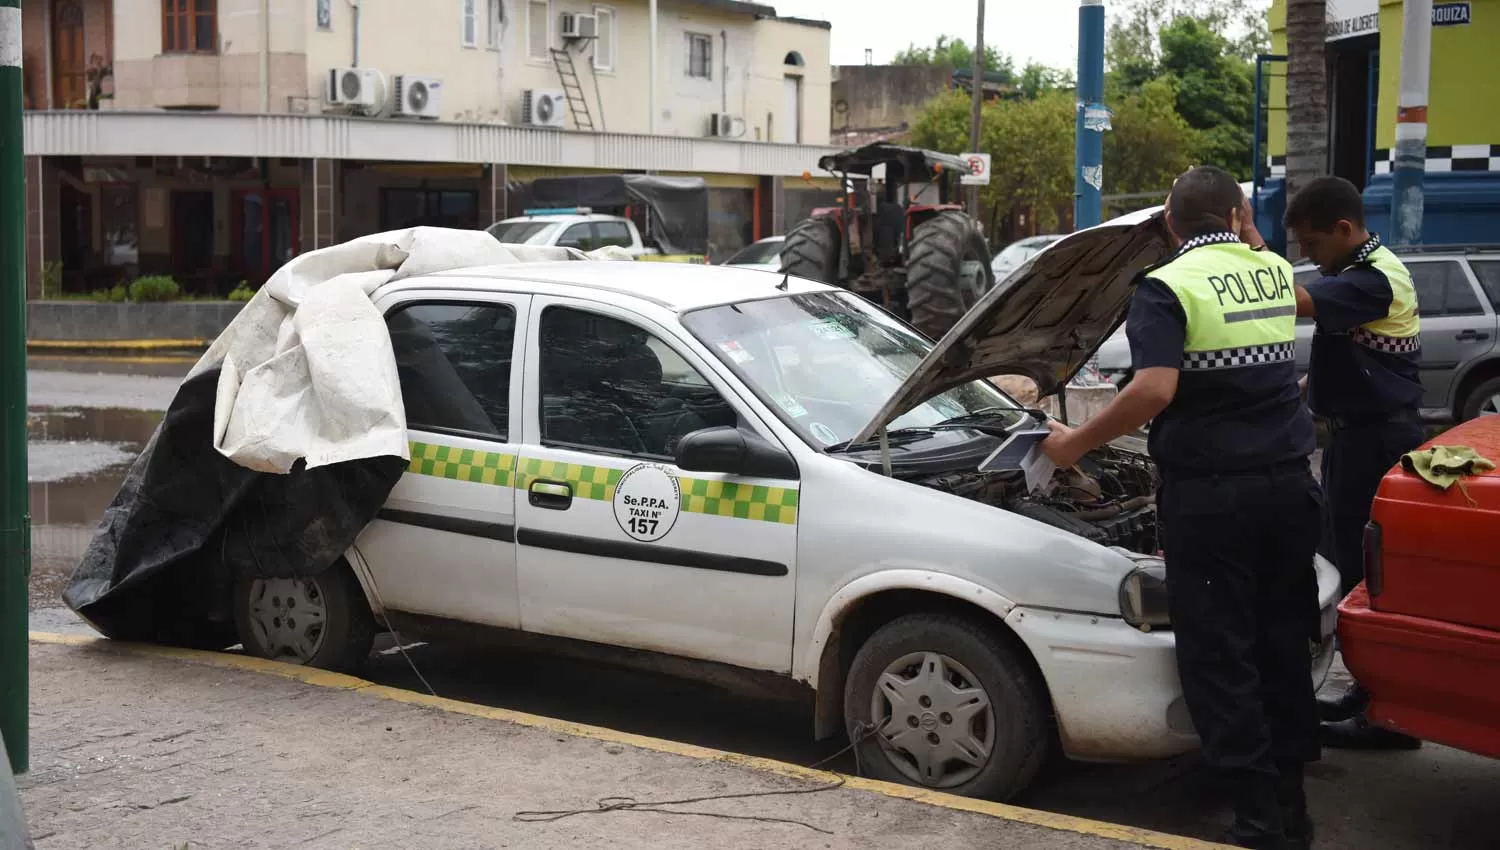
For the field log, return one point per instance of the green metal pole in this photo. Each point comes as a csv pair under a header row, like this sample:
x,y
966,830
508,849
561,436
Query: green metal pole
x,y
15,520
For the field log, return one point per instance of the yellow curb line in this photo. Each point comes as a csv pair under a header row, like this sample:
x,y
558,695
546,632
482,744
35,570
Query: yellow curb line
x,y
340,681
115,344
105,357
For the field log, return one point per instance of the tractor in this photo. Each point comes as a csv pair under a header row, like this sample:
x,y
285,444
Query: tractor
x,y
897,238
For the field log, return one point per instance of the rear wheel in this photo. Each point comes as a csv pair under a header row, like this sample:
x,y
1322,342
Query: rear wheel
x,y
947,270
937,701
811,250
320,621
1483,400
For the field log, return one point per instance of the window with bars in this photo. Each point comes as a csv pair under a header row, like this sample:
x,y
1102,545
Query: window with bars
x,y
700,56
470,33
189,26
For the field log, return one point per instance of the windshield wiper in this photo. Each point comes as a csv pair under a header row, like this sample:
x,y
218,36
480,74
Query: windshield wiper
x,y
982,415
902,435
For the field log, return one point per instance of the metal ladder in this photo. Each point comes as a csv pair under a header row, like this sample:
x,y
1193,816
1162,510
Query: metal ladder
x,y
572,89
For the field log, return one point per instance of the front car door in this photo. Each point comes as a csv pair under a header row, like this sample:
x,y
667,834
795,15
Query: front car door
x,y
443,545
1456,325
615,544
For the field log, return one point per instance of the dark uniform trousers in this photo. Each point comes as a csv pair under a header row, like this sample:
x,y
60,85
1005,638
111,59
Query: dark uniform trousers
x,y
1358,455
1242,595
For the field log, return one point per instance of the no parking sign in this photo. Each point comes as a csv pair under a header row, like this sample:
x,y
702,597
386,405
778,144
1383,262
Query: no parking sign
x,y
979,169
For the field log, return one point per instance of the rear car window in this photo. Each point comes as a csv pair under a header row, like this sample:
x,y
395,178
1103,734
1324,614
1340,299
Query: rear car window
x,y
1488,272
453,361
1443,289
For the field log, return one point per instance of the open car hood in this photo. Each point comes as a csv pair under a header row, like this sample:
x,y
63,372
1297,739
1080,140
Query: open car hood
x,y
1045,319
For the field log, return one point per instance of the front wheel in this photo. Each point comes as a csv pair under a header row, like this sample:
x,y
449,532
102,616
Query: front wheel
x,y
1483,400
318,621
936,701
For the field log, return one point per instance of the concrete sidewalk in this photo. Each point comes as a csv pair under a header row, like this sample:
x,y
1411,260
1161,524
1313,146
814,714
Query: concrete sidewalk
x,y
139,747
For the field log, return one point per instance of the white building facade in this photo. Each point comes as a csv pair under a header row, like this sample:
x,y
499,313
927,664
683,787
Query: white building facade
x,y
214,139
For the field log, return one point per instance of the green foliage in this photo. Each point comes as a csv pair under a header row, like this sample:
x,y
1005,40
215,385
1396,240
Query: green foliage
x,y
116,294
1150,144
241,292
153,288
955,53
1037,78
52,272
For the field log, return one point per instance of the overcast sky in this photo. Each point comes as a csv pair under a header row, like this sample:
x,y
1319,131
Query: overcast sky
x,y
1042,30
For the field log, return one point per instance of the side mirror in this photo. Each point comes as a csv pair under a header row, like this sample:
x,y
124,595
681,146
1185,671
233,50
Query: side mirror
x,y
570,243
730,451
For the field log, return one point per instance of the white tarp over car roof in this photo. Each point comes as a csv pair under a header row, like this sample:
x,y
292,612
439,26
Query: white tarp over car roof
x,y
307,366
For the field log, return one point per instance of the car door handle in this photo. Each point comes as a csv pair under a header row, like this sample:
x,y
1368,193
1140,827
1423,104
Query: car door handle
x,y
1471,335
552,495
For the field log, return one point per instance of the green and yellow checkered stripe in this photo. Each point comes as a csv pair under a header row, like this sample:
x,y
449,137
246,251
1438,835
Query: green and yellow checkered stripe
x,y
458,464
588,482
712,498
740,501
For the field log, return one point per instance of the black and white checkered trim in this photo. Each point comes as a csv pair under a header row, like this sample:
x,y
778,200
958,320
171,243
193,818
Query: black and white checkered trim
x,y
1386,344
1448,158
1276,165
1222,238
1365,250
1234,358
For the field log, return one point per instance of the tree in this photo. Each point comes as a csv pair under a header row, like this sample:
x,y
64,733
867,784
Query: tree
x,y
1133,33
1037,78
1150,144
955,53
1306,97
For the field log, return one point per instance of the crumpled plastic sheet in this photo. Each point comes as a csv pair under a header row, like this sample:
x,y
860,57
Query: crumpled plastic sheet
x,y
280,446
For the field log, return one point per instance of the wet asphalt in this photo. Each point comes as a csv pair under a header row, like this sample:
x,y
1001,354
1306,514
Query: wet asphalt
x,y
89,419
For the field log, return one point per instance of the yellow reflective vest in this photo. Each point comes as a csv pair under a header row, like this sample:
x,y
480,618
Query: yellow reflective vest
x,y
1240,304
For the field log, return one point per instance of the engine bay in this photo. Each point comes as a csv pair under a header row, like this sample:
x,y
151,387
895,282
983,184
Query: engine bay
x,y
1109,497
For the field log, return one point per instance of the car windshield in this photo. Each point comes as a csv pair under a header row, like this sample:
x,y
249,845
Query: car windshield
x,y
521,232
757,254
1017,253
828,361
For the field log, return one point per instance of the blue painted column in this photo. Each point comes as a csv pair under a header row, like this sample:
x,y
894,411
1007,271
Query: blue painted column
x,y
1092,118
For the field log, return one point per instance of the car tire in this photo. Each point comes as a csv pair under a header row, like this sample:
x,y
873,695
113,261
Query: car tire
x,y
1014,726
1483,400
811,251
938,292
337,629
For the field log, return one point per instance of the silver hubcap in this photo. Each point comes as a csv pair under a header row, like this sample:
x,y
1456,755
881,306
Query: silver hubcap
x,y
1490,406
971,279
288,616
934,721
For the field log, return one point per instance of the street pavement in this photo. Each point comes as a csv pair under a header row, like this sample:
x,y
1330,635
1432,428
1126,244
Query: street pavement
x,y
1434,797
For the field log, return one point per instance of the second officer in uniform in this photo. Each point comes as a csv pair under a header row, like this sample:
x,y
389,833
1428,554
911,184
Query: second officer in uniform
x,y
1212,334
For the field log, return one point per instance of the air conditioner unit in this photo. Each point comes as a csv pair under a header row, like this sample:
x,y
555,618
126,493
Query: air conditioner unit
x,y
418,97
358,89
576,26
543,107
721,124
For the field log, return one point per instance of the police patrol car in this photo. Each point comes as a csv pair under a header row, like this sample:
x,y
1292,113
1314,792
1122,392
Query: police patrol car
x,y
734,467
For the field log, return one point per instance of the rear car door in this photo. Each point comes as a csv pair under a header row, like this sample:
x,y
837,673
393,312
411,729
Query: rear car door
x,y
1457,326
616,544
444,544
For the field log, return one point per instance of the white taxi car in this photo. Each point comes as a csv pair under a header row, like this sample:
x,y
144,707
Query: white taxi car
x,y
728,466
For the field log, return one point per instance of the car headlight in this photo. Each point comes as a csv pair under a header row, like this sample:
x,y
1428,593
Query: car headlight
x,y
1143,595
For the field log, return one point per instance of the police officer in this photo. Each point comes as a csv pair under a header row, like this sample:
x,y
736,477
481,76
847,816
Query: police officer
x,y
1363,381
1212,333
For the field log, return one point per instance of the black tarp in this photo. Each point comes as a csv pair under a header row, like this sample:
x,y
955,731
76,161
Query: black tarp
x,y
188,522
678,206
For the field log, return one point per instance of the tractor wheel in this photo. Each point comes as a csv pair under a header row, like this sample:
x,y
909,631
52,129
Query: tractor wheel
x,y
811,250
947,270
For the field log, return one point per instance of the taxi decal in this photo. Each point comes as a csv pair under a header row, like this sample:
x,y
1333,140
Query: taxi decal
x,y
728,499
458,464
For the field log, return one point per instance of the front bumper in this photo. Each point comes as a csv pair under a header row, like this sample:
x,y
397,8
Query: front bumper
x,y
1115,690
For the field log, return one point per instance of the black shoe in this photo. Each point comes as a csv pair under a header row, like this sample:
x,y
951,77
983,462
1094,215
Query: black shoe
x,y
1291,795
1357,733
1257,816
1350,703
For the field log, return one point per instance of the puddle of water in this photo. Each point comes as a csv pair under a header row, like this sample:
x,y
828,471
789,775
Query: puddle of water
x,y
78,457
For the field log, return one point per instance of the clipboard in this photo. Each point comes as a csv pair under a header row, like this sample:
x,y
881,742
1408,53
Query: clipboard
x,y
1020,452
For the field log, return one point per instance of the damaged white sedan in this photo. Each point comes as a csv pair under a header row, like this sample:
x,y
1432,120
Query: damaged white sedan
x,y
738,468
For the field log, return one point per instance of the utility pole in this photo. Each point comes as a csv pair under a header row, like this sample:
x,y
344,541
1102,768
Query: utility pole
x,y
15,523
977,107
1410,167
1092,118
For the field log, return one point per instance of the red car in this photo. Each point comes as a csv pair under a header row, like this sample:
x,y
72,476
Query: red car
x,y
1422,634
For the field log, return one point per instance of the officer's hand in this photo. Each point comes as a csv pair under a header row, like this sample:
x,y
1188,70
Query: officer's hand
x,y
1061,448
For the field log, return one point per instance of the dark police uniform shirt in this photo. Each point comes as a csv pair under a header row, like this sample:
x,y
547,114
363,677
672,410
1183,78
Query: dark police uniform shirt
x,y
1366,351
1237,405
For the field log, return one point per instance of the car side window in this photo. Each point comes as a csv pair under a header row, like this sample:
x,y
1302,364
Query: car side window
x,y
610,386
1443,289
580,236
612,233
1488,272
454,362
